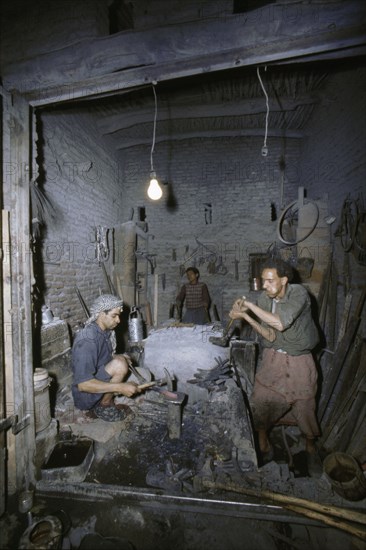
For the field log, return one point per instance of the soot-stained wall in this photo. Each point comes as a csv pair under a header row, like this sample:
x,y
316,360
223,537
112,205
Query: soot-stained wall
x,y
80,177
333,163
217,209
221,202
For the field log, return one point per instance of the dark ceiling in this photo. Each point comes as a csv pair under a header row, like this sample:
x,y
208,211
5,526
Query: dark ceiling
x,y
227,103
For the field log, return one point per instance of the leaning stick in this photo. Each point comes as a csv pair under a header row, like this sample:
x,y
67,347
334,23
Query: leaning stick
x,y
287,500
353,530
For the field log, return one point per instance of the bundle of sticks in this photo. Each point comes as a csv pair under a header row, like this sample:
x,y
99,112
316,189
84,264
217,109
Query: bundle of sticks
x,y
351,521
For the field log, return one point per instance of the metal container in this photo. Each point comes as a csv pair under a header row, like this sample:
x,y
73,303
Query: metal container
x,y
345,475
47,315
69,461
41,382
44,534
255,263
135,326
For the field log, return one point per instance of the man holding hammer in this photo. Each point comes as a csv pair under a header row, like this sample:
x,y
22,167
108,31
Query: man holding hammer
x,y
286,383
99,373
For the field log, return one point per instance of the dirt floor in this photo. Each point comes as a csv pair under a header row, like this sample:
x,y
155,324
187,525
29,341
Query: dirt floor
x,y
146,489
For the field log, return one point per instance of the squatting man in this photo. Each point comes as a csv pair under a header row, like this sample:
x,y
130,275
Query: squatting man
x,y
99,373
286,383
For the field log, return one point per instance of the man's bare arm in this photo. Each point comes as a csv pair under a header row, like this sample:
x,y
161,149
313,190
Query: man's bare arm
x,y
98,386
239,311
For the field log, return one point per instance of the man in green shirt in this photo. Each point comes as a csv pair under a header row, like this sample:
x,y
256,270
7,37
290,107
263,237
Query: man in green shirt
x,y
286,383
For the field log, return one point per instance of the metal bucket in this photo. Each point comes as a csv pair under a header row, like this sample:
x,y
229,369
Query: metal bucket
x,y
45,533
135,326
41,382
345,475
255,264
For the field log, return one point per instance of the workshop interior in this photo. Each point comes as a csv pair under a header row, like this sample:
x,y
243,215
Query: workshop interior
x,y
140,139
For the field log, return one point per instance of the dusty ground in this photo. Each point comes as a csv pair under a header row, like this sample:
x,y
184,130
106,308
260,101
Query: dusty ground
x,y
215,445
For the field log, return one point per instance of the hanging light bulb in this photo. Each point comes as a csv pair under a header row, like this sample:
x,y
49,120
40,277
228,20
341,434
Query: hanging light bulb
x,y
154,191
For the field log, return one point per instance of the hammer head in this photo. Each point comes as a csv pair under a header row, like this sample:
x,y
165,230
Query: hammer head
x,y
219,341
166,381
169,380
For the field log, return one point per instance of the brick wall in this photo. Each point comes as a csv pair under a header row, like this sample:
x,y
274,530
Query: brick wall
x,y
221,198
333,162
81,179
332,156
224,191
219,192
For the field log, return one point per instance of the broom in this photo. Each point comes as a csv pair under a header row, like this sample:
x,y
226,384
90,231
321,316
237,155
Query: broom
x,y
43,211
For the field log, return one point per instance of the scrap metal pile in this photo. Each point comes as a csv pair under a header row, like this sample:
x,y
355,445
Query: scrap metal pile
x,y
213,379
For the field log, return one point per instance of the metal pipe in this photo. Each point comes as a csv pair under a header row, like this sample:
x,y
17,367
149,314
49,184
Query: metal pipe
x,y
150,498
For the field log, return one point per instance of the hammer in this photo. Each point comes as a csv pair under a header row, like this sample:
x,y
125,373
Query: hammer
x,y
224,339
153,383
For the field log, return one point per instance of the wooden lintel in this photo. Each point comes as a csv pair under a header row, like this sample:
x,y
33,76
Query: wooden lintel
x,y
210,134
134,58
116,122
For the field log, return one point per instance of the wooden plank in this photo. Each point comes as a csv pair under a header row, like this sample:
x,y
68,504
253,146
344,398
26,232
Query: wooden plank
x,y
345,400
357,445
195,133
323,292
340,356
345,317
17,153
331,314
354,417
156,298
139,57
190,108
8,351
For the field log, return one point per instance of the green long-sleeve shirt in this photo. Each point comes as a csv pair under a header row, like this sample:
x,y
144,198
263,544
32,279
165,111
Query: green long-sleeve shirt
x,y
300,334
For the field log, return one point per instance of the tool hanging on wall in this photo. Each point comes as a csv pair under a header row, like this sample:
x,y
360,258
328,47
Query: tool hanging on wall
x,y
236,270
101,243
282,166
149,257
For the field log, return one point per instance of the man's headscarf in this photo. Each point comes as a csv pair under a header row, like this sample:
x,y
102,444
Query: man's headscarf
x,y
105,302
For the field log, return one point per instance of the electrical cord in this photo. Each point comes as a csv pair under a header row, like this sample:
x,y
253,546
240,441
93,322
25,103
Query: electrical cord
x,y
154,130
264,148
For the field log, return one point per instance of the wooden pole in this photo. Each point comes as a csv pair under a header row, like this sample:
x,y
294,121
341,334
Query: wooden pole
x,y
287,500
8,351
148,314
353,530
156,298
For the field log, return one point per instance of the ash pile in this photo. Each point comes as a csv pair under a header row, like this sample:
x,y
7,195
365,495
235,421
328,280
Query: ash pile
x,y
214,437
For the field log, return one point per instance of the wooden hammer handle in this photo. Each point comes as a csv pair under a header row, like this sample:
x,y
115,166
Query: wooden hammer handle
x,y
147,385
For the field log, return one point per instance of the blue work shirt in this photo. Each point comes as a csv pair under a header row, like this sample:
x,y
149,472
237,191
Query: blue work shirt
x,y
91,351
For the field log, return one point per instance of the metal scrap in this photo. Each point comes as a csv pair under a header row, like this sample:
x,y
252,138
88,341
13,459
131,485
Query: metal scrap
x,y
212,379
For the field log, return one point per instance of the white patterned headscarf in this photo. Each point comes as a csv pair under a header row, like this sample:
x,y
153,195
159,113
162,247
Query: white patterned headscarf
x,y
105,302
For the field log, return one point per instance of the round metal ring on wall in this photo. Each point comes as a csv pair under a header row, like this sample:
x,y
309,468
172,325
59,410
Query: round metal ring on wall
x,y
289,218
